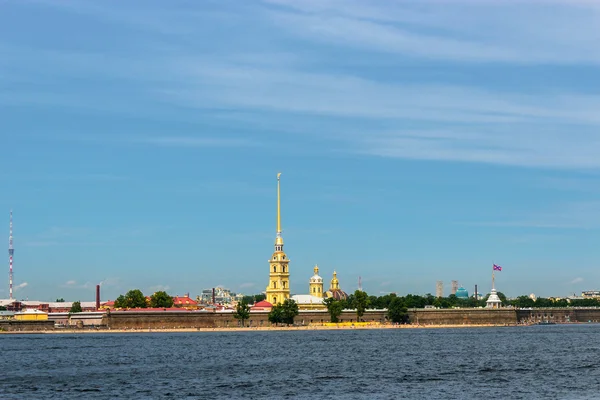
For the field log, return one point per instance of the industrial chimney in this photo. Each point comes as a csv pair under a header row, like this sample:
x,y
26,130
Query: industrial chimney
x,y
97,297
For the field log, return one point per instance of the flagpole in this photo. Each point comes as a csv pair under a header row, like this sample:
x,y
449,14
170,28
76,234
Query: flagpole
x,y
493,277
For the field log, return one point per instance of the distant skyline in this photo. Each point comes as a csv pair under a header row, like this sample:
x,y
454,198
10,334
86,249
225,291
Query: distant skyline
x,y
418,141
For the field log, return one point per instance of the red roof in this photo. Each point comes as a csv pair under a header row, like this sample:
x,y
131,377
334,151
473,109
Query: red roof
x,y
184,301
263,304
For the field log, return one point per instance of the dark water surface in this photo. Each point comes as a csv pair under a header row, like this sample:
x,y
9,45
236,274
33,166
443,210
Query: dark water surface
x,y
550,362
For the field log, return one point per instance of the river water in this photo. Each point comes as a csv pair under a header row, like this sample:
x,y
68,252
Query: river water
x,y
549,362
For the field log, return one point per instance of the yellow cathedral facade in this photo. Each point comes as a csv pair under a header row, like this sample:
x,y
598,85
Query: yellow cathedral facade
x,y
278,289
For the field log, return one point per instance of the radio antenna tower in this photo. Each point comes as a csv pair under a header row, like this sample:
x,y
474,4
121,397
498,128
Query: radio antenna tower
x,y
11,252
359,284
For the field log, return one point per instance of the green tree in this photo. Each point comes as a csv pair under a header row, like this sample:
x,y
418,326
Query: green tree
x,y
75,307
276,314
360,303
161,299
334,307
61,300
132,299
2,308
120,302
253,299
397,312
284,313
290,311
242,311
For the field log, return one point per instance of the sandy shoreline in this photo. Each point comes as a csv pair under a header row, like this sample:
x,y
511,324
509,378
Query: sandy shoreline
x,y
252,329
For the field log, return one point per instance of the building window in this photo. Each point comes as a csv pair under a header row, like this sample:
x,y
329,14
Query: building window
x,y
274,285
274,268
274,300
283,284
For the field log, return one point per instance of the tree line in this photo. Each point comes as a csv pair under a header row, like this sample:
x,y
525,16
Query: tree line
x,y
280,313
136,299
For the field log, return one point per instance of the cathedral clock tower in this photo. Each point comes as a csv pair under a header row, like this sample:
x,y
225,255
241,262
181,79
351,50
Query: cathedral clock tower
x,y
279,274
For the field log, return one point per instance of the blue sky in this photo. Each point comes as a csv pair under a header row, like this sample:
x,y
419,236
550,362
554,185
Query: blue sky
x,y
418,141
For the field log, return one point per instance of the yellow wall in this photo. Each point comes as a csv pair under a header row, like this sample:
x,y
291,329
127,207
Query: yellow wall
x,y
31,317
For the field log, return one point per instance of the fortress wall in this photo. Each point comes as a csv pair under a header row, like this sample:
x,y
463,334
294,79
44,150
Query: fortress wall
x,y
15,326
559,315
186,319
463,316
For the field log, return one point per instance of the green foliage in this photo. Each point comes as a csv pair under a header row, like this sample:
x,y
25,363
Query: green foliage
x,y
253,299
360,302
161,299
76,307
132,299
61,300
242,311
397,312
284,313
2,308
276,314
334,307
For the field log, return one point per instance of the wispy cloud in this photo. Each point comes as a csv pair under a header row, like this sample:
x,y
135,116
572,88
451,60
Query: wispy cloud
x,y
577,280
21,286
158,288
459,120
72,284
428,30
110,282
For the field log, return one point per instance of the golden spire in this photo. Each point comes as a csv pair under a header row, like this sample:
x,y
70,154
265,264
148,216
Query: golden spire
x,y
316,269
279,239
278,204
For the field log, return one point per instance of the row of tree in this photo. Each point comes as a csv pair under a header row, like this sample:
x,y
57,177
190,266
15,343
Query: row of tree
x,y
136,299
397,306
279,314
360,301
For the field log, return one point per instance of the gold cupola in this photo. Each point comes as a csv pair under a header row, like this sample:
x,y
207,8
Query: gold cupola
x,y
315,284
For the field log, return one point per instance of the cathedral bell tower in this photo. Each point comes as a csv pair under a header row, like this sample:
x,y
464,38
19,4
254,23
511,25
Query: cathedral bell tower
x,y
279,274
315,285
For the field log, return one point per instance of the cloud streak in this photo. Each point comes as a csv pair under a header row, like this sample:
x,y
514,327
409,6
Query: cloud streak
x,y
468,31
374,112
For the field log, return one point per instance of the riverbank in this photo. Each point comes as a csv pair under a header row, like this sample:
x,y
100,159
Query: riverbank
x,y
254,329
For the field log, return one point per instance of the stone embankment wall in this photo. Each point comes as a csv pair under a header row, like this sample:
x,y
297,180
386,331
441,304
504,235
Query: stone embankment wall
x,y
16,326
559,315
463,316
186,319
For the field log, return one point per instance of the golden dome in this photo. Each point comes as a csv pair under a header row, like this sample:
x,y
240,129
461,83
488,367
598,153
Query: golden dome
x,y
279,240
